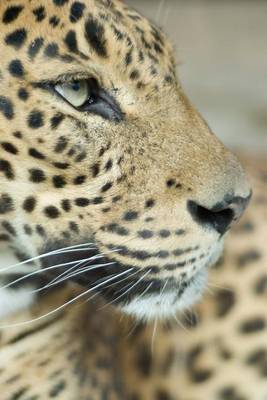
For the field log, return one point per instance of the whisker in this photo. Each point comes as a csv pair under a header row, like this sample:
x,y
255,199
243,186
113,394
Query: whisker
x,y
96,257
153,337
62,250
180,324
39,271
216,286
64,305
76,274
128,290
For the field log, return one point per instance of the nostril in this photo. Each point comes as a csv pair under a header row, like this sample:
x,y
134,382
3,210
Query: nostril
x,y
219,219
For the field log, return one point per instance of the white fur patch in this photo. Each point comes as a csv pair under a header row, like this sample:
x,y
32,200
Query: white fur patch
x,y
12,300
164,306
15,300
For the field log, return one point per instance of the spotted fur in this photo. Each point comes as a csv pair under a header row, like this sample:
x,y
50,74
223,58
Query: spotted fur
x,y
132,184
216,351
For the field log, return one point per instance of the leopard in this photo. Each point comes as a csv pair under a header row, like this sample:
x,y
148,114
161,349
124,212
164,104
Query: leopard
x,y
215,350
116,198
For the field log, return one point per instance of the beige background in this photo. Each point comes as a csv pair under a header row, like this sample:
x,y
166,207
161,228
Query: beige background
x,y
222,49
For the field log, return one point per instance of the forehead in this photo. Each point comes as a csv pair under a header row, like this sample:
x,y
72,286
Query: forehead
x,y
99,31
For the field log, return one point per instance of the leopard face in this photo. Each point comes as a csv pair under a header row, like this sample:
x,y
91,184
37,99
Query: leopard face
x,y
101,152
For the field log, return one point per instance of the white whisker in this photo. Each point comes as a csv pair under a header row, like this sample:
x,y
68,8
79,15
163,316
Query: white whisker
x,y
180,324
39,271
58,251
81,271
64,305
153,337
128,290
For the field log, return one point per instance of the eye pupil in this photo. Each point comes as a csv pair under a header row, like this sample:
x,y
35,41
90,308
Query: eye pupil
x,y
76,86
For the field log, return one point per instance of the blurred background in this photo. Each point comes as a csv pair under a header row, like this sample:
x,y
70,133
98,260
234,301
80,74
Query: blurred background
x,y
221,48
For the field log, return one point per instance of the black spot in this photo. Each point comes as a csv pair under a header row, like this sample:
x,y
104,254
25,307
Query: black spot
x,y
54,21
37,175
27,229
6,204
23,94
65,204
19,393
11,14
201,375
95,170
95,34
180,232
39,13
115,228
60,3
128,58
252,325
6,107
164,233
80,157
61,165
36,154
71,42
257,357
150,203
9,228
108,165
52,212
135,74
76,11
260,287
61,144
229,393
157,48
248,257
9,147
56,120
162,394
40,230
29,204
59,181
130,215
79,180
170,183
115,199
106,187
36,119
7,169
16,38
74,227
97,200
51,50
16,68
82,202
35,47
225,300
17,134
61,385
145,234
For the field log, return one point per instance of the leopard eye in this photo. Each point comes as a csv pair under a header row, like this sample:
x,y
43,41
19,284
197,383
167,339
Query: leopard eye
x,y
78,93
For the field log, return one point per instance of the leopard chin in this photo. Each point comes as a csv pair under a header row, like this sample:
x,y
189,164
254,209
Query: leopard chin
x,y
164,306
172,299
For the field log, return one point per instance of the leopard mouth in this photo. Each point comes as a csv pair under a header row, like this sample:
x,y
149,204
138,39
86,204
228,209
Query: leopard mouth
x,y
126,286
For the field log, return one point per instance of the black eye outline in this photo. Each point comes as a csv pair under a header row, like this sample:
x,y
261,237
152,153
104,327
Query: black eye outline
x,y
99,103
93,90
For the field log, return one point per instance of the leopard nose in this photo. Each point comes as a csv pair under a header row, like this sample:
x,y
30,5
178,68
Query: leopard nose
x,y
221,215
